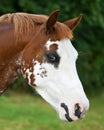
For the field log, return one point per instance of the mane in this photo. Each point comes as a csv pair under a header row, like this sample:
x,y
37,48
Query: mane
x,y
23,23
26,24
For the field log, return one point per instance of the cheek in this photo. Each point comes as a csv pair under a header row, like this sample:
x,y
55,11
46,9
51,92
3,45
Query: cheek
x,y
29,76
39,72
44,74
34,73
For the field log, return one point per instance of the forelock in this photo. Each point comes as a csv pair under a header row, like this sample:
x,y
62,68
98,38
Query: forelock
x,y
60,32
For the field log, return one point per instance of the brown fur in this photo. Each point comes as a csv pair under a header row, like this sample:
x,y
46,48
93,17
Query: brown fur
x,y
26,24
22,39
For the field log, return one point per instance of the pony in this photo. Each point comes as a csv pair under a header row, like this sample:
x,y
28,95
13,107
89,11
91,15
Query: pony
x,y
39,48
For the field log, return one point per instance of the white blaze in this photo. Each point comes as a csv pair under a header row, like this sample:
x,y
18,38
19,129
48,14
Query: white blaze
x,y
61,84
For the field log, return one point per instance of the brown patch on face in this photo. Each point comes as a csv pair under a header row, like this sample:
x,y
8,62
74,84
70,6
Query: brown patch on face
x,y
36,50
53,47
31,69
26,77
32,78
31,53
51,55
26,69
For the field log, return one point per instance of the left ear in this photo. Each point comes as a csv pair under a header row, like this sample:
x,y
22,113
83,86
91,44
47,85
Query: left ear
x,y
52,20
72,23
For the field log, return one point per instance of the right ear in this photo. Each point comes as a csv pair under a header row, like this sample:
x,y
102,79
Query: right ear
x,y
72,23
52,20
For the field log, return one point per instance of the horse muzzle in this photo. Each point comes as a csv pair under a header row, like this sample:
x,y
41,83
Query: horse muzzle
x,y
78,112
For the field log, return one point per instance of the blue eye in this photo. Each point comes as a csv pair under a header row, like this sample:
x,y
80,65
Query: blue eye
x,y
52,58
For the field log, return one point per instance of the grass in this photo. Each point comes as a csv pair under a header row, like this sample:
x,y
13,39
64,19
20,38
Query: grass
x,y
27,112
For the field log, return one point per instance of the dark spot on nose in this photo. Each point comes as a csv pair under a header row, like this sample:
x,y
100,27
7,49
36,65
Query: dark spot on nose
x,y
67,112
77,110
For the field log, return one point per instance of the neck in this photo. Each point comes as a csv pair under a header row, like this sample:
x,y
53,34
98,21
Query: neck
x,y
10,46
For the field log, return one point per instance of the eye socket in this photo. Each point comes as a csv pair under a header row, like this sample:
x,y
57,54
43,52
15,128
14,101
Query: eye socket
x,y
52,58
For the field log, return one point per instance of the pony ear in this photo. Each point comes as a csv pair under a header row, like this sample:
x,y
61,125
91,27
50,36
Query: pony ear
x,y
52,19
72,23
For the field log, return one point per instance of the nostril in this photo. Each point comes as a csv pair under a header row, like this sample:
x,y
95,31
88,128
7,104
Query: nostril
x,y
67,112
77,110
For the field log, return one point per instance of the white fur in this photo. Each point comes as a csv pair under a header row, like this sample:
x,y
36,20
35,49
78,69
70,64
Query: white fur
x,y
61,84
29,74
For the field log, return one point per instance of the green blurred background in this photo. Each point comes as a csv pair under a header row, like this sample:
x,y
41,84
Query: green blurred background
x,y
88,37
88,40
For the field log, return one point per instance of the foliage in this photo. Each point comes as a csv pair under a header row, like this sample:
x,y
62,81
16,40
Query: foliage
x,y
88,36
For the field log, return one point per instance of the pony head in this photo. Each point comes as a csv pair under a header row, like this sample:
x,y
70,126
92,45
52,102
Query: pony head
x,y
49,66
